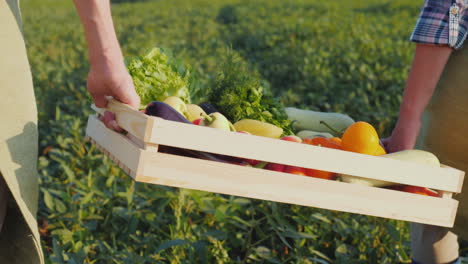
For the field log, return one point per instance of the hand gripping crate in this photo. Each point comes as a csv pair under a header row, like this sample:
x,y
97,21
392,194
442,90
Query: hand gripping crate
x,y
139,154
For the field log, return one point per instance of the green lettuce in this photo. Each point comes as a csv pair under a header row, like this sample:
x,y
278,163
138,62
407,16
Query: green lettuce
x,y
155,78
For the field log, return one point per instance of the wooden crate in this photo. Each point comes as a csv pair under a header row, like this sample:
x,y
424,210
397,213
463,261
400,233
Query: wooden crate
x,y
137,154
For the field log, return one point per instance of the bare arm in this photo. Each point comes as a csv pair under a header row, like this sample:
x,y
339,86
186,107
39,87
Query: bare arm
x,y
428,64
97,21
108,75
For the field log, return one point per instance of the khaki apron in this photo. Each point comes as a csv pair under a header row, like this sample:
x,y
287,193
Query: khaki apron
x,y
444,132
19,237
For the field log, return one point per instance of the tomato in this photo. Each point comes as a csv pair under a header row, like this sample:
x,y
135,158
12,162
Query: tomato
x,y
320,174
336,140
415,190
295,170
326,143
197,121
275,167
322,142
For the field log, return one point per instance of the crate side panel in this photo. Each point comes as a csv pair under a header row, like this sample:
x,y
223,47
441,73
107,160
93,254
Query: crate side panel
x,y
302,155
133,121
176,171
120,149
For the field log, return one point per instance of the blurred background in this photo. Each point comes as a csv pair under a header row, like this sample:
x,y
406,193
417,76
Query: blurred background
x,y
342,56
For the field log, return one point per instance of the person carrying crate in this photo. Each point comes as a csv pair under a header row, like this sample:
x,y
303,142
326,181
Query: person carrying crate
x,y
434,115
19,236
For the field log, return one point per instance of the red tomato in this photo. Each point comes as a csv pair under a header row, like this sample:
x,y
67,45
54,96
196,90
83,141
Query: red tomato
x,y
197,121
320,174
295,170
322,142
415,190
275,167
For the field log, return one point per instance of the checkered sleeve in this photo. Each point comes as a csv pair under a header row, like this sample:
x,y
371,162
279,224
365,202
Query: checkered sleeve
x,y
442,22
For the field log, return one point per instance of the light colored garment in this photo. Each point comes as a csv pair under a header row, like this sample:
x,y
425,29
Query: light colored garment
x,y
445,133
19,238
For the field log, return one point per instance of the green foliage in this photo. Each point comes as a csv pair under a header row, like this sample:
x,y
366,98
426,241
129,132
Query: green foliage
x,y
344,56
349,57
155,79
239,93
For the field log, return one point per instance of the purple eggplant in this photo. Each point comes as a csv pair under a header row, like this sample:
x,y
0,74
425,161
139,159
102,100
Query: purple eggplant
x,y
165,111
208,108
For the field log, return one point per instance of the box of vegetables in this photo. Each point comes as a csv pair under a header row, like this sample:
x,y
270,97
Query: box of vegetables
x,y
241,141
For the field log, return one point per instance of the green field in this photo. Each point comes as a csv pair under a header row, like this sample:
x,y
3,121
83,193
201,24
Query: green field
x,y
345,56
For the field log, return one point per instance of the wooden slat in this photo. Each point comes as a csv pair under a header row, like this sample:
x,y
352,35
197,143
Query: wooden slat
x,y
134,122
183,172
118,147
158,131
461,178
279,151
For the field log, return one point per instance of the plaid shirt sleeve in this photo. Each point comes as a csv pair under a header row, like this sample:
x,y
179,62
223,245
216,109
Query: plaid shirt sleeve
x,y
442,22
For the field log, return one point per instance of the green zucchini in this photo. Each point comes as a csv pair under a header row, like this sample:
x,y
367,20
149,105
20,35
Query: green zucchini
x,y
412,155
303,134
310,120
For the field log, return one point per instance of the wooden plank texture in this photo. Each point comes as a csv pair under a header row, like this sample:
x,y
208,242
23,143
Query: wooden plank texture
x,y
279,151
183,172
119,148
133,121
154,130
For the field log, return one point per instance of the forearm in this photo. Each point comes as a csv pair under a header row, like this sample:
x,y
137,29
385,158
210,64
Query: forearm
x,y
103,46
428,64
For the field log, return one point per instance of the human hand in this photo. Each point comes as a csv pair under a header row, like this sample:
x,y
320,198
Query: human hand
x,y
108,75
111,78
403,136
